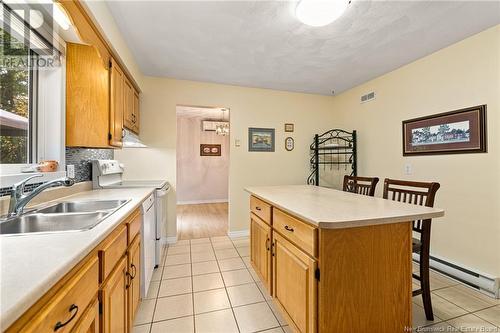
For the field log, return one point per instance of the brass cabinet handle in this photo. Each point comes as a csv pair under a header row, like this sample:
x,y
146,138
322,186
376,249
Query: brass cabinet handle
x,y
134,271
73,315
287,228
267,244
258,208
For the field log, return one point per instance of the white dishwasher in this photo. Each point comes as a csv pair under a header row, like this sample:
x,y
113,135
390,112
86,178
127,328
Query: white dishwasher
x,y
148,241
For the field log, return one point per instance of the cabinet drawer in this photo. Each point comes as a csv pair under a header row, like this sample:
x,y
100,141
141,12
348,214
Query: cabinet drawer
x,y
261,209
133,226
90,320
112,250
68,305
296,231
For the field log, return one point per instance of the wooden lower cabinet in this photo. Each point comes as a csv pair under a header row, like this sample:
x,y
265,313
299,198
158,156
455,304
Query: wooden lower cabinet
x,y
134,292
100,294
89,323
294,284
340,280
65,308
114,302
260,249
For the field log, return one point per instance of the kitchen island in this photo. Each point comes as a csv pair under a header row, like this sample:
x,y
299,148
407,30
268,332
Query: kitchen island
x,y
335,261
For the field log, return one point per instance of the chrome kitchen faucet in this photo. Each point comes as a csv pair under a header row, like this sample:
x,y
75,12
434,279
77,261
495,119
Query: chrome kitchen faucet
x,y
18,200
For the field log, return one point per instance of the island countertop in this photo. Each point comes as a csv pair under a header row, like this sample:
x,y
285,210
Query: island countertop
x,y
331,209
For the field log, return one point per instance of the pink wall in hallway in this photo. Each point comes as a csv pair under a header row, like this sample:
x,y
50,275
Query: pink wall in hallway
x,y
200,178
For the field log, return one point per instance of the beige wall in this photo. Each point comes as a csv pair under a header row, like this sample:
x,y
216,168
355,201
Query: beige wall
x,y
200,178
462,75
249,107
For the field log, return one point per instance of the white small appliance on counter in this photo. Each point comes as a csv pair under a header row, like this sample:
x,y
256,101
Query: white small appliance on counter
x,y
108,174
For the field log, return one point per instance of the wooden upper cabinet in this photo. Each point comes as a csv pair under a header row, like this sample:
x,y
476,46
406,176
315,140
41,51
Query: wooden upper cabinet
x,y
117,79
87,98
100,91
128,104
136,112
131,107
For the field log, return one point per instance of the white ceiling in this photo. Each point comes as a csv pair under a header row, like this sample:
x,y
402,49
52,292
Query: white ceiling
x,y
261,43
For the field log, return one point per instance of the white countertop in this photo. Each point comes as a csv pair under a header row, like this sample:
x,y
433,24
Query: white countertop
x,y
331,209
31,264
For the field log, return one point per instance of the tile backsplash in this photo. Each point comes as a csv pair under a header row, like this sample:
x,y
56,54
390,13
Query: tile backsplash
x,y
81,158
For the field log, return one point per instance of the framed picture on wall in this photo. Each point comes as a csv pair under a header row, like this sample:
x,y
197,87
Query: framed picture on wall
x,y
261,139
456,132
210,150
289,127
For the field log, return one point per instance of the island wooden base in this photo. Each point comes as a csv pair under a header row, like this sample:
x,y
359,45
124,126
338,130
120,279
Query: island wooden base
x,y
365,283
354,279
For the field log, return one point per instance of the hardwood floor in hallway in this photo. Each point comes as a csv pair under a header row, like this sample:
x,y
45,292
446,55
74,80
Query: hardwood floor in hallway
x,y
202,220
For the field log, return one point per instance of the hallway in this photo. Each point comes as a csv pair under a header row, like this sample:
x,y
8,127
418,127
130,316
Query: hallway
x,y
202,220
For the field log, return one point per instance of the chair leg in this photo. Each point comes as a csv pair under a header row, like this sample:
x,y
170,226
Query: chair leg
x,y
425,285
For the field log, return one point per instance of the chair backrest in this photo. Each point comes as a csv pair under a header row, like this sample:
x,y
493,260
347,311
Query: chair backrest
x,y
360,185
417,193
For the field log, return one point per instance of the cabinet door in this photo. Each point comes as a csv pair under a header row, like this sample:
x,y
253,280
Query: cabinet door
x,y
260,249
134,264
87,98
116,105
128,104
114,299
136,112
294,284
89,323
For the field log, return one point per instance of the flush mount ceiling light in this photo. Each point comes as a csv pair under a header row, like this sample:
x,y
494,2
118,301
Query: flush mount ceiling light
x,y
318,13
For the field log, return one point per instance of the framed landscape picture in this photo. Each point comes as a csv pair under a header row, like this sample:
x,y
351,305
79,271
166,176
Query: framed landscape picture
x,y
210,150
455,132
261,139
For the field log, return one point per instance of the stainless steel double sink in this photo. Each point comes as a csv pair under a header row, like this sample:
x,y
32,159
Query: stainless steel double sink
x,y
60,217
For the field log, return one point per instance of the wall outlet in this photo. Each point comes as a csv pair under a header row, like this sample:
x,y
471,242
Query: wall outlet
x,y
70,171
408,169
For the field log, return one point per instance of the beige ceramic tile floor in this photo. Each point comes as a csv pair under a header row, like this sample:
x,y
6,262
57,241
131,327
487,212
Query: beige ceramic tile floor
x,y
207,285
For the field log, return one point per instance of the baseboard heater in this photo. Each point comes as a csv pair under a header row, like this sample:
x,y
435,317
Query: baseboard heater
x,y
482,282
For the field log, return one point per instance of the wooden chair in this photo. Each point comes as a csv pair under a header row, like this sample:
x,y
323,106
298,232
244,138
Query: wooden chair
x,y
360,185
423,194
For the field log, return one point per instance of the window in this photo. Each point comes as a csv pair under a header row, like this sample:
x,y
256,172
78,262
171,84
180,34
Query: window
x,y
32,67
18,88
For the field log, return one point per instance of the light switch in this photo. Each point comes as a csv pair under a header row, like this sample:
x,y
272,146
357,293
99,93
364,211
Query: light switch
x,y
237,143
70,170
408,169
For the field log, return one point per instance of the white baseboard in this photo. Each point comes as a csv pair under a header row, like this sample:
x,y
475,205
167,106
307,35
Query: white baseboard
x,y
168,240
196,202
239,233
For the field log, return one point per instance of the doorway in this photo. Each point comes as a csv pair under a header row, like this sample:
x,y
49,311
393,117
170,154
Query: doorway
x,y
202,171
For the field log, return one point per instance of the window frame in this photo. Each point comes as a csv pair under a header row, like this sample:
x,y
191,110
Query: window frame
x,y
46,131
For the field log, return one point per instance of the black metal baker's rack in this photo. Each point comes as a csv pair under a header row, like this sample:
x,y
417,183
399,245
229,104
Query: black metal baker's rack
x,y
335,147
